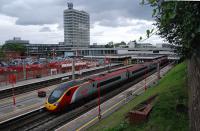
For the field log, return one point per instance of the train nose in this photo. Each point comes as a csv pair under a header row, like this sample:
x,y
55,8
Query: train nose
x,y
50,107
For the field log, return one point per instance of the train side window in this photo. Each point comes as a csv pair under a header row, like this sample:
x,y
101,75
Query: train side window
x,y
127,74
109,81
68,93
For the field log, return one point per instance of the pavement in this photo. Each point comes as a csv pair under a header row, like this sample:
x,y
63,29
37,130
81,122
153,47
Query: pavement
x,y
107,108
24,103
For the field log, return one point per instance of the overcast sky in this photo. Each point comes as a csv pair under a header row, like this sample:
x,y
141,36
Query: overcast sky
x,y
41,21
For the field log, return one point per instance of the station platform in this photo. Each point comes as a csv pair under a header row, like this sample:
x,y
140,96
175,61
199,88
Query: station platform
x,y
28,101
24,103
43,79
91,117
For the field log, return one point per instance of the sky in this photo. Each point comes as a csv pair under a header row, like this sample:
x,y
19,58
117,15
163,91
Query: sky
x,y
41,21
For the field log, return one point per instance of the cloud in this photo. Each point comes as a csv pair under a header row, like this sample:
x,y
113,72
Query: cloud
x,y
37,12
123,22
136,28
8,30
41,21
97,33
45,29
108,12
32,12
139,26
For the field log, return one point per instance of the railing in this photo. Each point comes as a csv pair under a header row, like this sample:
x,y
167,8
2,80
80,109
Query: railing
x,y
38,71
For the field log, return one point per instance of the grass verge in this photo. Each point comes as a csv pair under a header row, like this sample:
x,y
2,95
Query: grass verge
x,y
164,116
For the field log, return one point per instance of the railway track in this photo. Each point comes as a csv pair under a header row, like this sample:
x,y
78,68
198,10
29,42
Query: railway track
x,y
42,120
39,85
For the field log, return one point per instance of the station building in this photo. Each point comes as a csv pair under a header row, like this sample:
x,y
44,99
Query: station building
x,y
95,52
133,51
77,43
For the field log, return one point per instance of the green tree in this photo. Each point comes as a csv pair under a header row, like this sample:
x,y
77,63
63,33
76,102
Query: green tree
x,y
17,47
109,45
1,53
179,23
122,43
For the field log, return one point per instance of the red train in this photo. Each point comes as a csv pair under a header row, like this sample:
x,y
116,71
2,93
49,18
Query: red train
x,y
75,91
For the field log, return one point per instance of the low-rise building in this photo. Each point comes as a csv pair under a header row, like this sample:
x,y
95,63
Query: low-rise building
x,y
17,40
134,44
133,49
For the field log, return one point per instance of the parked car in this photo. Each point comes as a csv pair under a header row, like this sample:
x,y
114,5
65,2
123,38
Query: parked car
x,y
3,64
41,93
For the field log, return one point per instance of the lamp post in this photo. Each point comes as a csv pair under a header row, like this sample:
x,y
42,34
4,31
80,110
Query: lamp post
x,y
53,54
27,51
73,69
99,102
13,94
145,84
12,80
158,69
46,52
24,70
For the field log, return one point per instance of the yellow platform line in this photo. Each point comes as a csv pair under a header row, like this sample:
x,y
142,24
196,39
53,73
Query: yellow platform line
x,y
96,118
85,125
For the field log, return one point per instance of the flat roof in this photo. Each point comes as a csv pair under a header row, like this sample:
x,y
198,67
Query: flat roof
x,y
127,56
130,49
145,57
108,56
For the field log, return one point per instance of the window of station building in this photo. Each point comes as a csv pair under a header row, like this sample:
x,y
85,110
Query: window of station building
x,y
156,51
109,81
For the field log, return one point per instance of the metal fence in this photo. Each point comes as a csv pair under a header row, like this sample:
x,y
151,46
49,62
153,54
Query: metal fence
x,y
37,71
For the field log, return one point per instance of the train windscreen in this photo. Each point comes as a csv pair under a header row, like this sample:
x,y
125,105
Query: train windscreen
x,y
55,95
58,92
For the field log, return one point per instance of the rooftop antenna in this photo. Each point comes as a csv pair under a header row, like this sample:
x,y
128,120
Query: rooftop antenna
x,y
70,5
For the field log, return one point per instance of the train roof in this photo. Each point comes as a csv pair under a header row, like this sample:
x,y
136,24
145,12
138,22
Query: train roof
x,y
135,67
67,85
102,76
